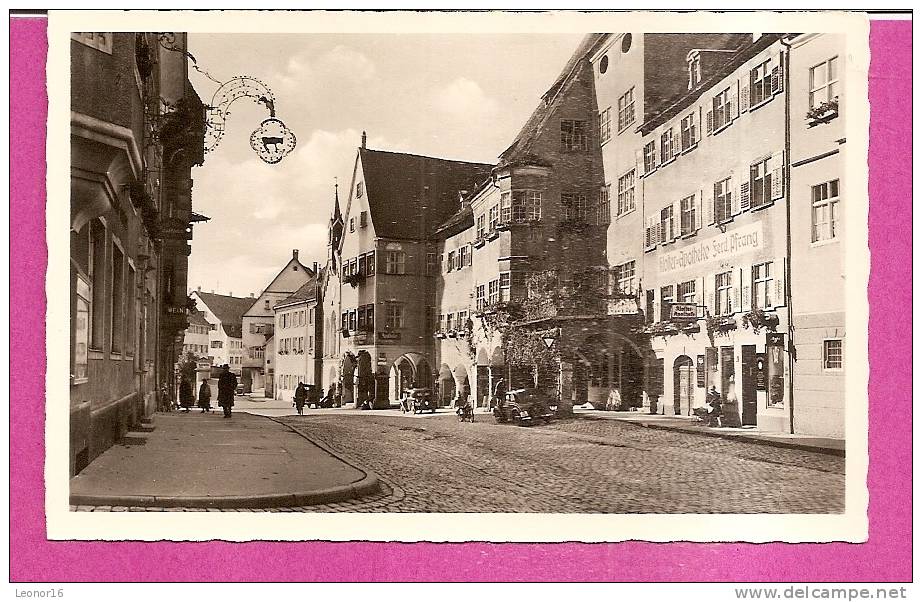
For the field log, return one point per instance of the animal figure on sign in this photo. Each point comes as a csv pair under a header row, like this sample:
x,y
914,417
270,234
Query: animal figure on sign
x,y
274,141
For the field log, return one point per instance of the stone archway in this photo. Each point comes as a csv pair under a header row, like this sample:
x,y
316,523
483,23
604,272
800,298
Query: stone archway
x,y
446,385
683,385
347,373
462,384
365,378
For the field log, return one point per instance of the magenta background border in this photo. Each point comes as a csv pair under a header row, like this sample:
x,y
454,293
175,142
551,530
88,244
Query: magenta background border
x,y
886,556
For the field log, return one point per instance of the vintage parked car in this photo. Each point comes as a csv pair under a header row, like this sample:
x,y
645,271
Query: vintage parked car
x,y
418,400
523,406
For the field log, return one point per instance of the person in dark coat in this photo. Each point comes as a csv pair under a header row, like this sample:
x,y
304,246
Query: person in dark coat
x,y
186,395
227,386
204,397
300,398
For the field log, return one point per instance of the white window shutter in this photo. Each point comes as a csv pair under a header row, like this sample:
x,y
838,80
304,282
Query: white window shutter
x,y
777,75
780,275
677,220
712,301
734,102
734,196
638,162
744,93
746,288
744,194
699,211
776,165
734,290
709,207
710,121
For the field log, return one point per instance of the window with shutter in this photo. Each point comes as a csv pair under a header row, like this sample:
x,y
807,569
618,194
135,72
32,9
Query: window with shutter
x,y
733,103
777,167
777,74
744,94
745,282
780,282
744,196
734,198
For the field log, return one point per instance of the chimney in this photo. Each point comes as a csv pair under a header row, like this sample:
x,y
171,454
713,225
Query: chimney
x,y
364,138
294,254
315,268
230,293
198,288
252,296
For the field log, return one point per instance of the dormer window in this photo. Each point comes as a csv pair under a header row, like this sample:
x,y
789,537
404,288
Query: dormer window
x,y
694,69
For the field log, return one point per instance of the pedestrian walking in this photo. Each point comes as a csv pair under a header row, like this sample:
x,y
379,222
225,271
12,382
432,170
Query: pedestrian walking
x,y
227,386
186,395
300,398
204,397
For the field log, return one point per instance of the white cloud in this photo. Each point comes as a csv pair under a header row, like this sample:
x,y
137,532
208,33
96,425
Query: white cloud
x,y
464,98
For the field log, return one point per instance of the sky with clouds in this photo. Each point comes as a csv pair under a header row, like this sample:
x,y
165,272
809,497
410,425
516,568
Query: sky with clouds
x,y
453,96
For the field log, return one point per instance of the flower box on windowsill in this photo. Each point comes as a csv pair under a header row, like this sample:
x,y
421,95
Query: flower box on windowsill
x,y
758,319
439,335
493,235
353,279
823,113
479,241
346,333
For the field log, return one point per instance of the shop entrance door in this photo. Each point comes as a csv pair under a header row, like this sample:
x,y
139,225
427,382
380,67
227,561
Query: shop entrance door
x,y
683,382
748,383
726,370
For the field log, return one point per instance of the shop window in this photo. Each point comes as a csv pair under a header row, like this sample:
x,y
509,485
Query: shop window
x,y
118,298
81,325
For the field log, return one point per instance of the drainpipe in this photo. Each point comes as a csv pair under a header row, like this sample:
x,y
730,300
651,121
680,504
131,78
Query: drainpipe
x,y
786,59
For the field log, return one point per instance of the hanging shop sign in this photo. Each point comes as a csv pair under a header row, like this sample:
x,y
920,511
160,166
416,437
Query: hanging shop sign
x,y
683,312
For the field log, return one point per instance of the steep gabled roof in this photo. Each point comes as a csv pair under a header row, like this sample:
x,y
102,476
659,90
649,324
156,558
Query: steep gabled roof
x,y
307,292
460,221
197,318
229,310
411,195
520,147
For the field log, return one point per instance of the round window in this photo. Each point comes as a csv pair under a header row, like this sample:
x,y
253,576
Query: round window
x,y
603,64
626,42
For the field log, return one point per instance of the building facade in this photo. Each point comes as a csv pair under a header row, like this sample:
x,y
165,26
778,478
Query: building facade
x,y
818,182
297,340
225,337
385,273
714,239
137,130
259,319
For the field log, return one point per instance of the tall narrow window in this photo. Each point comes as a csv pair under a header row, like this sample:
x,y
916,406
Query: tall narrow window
x,y
98,278
723,197
481,225
505,202
505,286
824,82
605,126
604,210
624,278
689,217
760,184
760,83
825,211
493,292
131,312
481,300
689,131
626,109
118,299
667,224
686,292
81,329
626,193
494,217
721,106
519,209
666,297
762,286
723,289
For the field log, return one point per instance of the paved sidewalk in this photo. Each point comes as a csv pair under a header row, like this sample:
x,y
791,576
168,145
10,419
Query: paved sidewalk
x,y
196,460
687,424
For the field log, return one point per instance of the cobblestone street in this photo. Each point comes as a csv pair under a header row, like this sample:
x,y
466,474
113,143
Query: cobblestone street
x,y
580,465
